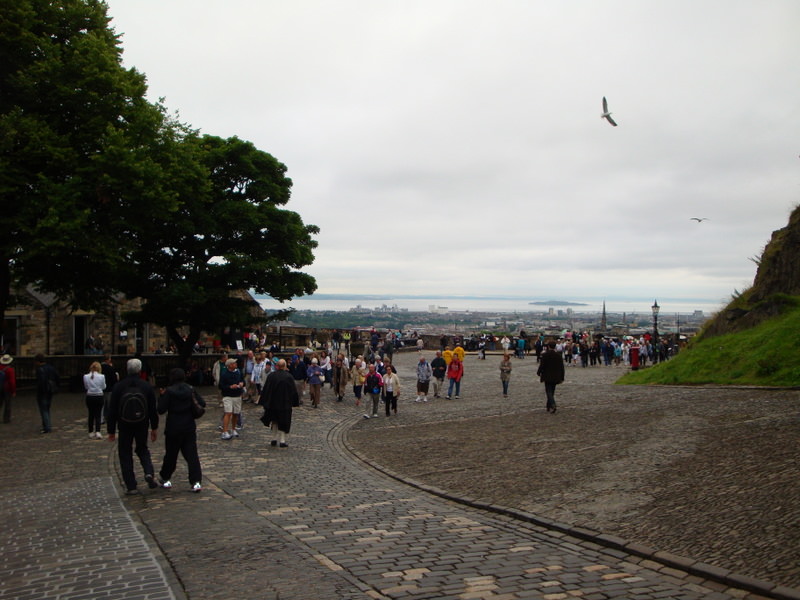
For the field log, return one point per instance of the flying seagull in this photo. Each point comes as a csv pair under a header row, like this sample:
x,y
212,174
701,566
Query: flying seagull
x,y
607,115
698,219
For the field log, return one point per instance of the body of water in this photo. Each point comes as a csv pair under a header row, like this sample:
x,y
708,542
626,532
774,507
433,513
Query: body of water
x,y
336,302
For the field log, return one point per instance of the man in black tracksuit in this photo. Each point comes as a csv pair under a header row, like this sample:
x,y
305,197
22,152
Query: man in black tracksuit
x,y
130,433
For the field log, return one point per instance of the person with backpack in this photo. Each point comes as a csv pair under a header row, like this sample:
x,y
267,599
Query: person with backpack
x,y
180,432
132,409
373,384
46,387
8,385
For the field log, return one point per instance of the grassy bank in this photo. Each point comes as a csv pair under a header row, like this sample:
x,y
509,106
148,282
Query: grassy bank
x,y
768,354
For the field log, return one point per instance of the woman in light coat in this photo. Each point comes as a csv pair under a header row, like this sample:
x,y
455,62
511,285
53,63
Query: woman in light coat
x,y
95,383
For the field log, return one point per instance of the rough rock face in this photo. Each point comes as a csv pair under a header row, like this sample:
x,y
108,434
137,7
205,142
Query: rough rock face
x,y
778,276
779,269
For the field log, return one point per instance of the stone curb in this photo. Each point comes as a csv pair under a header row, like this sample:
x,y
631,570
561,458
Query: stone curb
x,y
169,574
667,560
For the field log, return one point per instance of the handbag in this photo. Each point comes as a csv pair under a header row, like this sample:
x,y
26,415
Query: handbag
x,y
322,378
198,410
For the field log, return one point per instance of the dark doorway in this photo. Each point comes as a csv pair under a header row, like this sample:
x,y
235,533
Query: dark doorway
x,y
79,333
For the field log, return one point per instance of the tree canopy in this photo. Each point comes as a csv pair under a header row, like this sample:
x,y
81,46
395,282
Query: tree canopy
x,y
103,192
67,105
228,235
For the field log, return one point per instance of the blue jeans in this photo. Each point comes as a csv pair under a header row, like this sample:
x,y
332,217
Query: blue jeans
x,y
505,387
450,388
44,400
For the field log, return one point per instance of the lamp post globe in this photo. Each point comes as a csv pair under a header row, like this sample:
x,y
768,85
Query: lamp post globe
x,y
655,308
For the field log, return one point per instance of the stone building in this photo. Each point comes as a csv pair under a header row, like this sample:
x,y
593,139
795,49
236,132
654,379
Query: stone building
x,y
40,323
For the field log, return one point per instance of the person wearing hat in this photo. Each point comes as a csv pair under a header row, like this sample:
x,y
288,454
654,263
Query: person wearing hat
x,y
8,389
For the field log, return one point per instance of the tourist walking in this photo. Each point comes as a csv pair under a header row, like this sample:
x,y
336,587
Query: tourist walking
x,y
95,384
216,372
439,369
316,377
551,373
112,377
299,369
261,368
46,387
455,371
8,385
231,385
373,384
357,375
505,373
424,375
340,376
180,432
249,394
391,389
278,398
133,408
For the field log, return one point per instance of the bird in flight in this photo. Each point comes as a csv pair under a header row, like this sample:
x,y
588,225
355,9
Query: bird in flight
x,y
698,219
607,115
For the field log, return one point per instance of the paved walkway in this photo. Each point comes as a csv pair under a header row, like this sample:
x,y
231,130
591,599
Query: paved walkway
x,y
308,522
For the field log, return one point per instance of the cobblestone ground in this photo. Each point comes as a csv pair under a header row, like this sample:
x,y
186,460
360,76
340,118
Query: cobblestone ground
x,y
710,473
65,532
313,522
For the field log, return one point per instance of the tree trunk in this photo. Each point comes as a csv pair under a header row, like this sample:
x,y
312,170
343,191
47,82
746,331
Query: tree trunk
x,y
184,346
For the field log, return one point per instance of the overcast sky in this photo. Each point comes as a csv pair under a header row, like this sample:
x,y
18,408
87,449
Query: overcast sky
x,y
456,147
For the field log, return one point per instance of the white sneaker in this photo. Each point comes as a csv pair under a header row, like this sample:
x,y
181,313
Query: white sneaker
x,y
235,433
165,484
92,436
98,435
424,398
366,416
197,487
226,435
417,399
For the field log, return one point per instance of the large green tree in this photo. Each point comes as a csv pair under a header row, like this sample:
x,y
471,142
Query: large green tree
x,y
230,232
102,192
74,128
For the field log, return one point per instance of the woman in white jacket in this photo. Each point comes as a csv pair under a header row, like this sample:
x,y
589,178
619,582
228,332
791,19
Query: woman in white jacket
x,y
95,383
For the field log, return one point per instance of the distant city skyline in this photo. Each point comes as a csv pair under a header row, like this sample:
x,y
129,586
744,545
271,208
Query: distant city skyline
x,y
500,304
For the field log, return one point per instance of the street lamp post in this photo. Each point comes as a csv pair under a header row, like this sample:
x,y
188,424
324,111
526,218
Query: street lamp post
x,y
655,309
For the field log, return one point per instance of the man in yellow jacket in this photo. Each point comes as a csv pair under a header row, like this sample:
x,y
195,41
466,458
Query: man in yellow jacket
x,y
447,355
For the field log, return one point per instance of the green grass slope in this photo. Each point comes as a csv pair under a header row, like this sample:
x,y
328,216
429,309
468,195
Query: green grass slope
x,y
767,354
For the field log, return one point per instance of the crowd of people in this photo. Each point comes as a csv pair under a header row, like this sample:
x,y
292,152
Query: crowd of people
x,y
130,406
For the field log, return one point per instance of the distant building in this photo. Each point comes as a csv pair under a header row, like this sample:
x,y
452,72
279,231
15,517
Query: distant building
x,y
42,323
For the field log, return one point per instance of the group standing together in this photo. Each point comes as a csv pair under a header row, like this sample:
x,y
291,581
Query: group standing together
x,y
130,406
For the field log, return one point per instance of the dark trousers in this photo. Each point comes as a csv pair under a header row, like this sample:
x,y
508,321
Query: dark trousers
x,y
5,400
44,400
125,441
186,444
390,400
550,392
95,406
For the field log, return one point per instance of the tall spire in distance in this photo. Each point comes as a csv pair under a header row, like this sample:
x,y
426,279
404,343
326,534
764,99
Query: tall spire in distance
x,y
603,324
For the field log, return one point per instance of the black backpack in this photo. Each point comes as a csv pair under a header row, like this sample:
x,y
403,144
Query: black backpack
x,y
133,407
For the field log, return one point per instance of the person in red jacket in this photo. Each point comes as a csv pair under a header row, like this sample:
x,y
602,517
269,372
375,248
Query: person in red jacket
x,y
9,387
455,371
